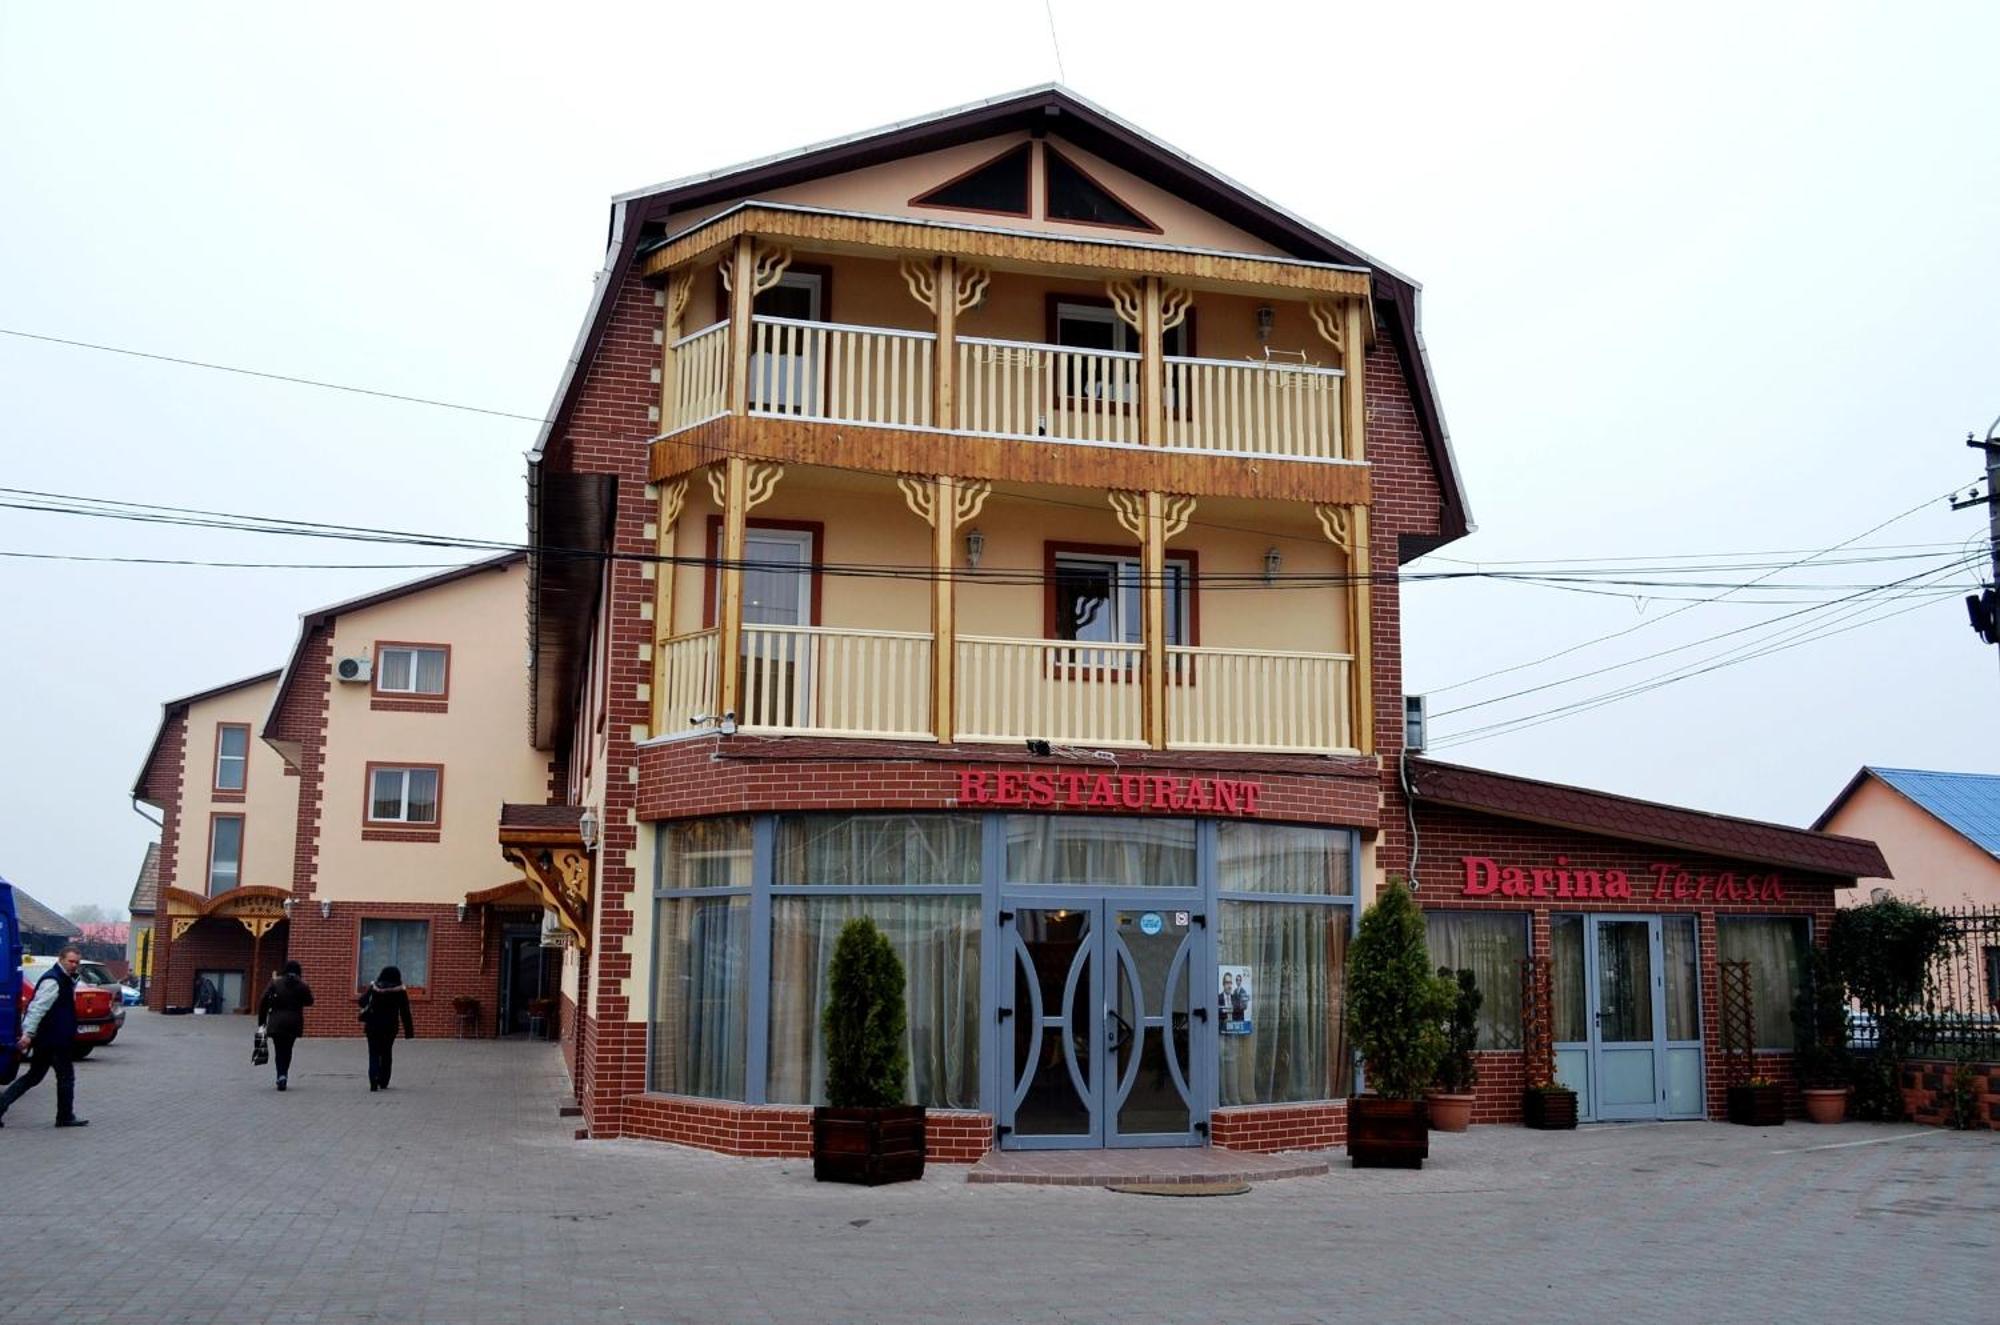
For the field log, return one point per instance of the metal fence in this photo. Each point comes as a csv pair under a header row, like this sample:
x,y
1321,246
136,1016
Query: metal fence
x,y
1960,1013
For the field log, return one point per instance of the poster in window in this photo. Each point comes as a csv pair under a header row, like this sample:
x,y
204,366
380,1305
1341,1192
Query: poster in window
x,y
1232,1003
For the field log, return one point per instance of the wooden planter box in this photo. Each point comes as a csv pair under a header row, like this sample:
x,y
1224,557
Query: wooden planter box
x,y
1548,1110
1387,1134
869,1146
1757,1106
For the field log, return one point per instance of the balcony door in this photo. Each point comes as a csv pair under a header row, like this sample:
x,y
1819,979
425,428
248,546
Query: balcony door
x,y
785,357
777,653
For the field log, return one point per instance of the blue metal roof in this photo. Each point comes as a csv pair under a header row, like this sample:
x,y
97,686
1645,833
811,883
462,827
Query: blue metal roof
x,y
1968,802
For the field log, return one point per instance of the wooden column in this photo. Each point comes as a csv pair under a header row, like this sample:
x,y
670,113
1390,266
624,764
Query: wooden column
x,y
729,603
1362,597
1152,370
944,603
1153,572
944,374
742,294
675,294
1354,389
672,497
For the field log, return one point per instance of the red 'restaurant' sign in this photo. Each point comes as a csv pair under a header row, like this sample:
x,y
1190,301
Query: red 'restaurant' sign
x,y
1486,877
1042,789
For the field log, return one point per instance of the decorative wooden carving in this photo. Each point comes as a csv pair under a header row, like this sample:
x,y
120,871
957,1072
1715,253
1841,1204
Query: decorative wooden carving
x,y
679,286
972,495
1128,301
1326,316
718,483
761,481
919,495
1175,301
1176,511
673,497
971,282
1333,522
921,277
560,875
767,267
182,924
1130,508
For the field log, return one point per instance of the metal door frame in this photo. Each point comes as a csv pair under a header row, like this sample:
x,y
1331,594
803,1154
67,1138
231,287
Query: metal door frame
x,y
1655,1108
1103,953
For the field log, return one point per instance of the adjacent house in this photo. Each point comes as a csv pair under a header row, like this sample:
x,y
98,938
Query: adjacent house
x,y
145,898
43,930
1940,833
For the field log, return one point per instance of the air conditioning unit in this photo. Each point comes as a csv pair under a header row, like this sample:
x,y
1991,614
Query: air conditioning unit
x,y
353,669
1413,724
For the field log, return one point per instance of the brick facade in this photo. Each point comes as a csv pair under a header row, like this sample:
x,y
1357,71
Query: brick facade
x,y
1316,1125
1928,1086
784,1131
162,786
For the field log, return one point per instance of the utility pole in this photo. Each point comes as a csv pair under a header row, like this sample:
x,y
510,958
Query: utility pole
x,y
1984,606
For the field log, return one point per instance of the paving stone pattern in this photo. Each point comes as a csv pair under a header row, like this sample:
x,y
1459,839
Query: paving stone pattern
x,y
199,1194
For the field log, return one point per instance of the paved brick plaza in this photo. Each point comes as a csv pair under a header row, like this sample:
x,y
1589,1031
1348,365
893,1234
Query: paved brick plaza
x,y
199,1194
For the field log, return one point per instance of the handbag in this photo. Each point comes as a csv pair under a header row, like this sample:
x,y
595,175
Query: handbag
x,y
260,1048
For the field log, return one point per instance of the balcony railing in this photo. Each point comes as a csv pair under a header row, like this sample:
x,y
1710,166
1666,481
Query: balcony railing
x,y
822,681
1256,699
800,680
832,372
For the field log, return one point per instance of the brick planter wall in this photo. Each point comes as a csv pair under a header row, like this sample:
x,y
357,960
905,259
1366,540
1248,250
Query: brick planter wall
x,y
1926,1086
782,1131
1318,1125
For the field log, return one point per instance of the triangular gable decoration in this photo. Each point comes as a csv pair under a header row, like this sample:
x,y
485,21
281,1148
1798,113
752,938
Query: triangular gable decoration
x,y
1000,185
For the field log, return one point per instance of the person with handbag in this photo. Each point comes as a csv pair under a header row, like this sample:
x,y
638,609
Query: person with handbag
x,y
383,1004
281,1015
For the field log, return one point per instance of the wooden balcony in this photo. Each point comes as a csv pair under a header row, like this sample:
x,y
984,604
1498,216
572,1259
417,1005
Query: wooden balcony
x,y
823,681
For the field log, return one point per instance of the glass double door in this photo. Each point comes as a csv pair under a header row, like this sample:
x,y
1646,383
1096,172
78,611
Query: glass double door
x,y
1627,1024
1100,1028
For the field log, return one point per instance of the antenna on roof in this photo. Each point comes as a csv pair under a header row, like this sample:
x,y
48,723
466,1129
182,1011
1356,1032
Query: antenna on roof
x,y
1049,8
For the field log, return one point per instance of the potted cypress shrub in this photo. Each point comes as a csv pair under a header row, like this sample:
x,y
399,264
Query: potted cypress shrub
x,y
1819,1026
865,1133
1396,1011
1451,1101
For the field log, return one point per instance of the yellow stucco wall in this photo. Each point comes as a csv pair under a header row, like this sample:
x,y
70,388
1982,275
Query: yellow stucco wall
x,y
1931,863
482,741
270,806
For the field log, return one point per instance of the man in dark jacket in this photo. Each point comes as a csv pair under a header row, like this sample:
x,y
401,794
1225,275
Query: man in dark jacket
x,y
48,1035
282,1013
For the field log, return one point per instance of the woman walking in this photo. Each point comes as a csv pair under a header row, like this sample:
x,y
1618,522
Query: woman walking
x,y
282,1012
382,1005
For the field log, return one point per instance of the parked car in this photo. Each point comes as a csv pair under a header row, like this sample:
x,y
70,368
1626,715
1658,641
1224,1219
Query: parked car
x,y
99,1016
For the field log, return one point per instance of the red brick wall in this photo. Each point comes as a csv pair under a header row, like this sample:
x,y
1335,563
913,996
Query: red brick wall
x,y
1927,1088
1319,1125
217,944
163,782
783,1130
329,950
301,718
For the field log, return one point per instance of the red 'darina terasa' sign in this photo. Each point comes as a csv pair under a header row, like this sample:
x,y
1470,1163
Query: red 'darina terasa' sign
x,y
1043,789
1486,877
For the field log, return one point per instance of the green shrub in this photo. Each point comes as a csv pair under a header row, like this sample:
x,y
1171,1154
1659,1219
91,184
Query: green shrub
x,y
867,1062
1456,1070
1819,1024
1883,952
1396,1009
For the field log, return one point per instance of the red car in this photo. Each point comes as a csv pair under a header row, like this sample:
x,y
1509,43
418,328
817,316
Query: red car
x,y
98,1016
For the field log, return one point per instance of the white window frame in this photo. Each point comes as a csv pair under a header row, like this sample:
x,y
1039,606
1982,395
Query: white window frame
x,y
235,866
403,795
1126,573
242,761
382,670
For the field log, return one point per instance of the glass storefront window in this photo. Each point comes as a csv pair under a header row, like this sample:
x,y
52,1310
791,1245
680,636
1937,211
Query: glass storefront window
x,y
1283,858
1677,940
874,850
705,853
937,938
1112,853
1568,1010
1299,1049
701,1010
1771,944
1492,946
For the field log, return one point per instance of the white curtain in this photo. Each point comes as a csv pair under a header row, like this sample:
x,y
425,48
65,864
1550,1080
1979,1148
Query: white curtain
x,y
1772,946
937,938
1118,853
702,1013
1282,858
864,850
1297,957
1491,945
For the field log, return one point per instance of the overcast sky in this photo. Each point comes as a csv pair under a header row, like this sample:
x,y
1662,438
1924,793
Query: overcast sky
x,y
1698,280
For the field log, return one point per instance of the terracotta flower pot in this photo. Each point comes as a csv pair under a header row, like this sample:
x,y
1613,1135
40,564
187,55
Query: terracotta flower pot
x,y
1450,1113
1827,1105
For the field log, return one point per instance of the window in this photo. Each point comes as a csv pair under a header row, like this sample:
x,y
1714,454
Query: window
x,y
1118,853
411,669
784,364
1772,946
1492,946
232,756
1089,324
997,185
1075,196
403,944
404,795
1096,597
225,852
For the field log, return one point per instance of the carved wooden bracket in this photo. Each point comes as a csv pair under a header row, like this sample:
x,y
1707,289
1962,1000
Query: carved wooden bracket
x,y
560,876
919,495
182,924
1175,301
761,480
1127,302
921,277
1326,319
971,282
767,266
718,484
673,497
1176,511
1333,522
679,286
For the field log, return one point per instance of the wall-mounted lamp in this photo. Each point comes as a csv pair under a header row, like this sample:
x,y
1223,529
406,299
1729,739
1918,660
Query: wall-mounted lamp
x,y
461,913
727,726
325,909
288,908
975,547
586,828
1267,317
1272,561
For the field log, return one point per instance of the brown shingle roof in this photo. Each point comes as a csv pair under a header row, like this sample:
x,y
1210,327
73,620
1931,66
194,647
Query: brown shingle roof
x,y
146,889
540,818
1601,812
34,918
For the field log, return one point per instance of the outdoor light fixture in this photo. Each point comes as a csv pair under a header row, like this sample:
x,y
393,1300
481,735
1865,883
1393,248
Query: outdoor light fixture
x,y
1266,317
325,909
728,724
975,547
288,908
461,913
586,828
1272,560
